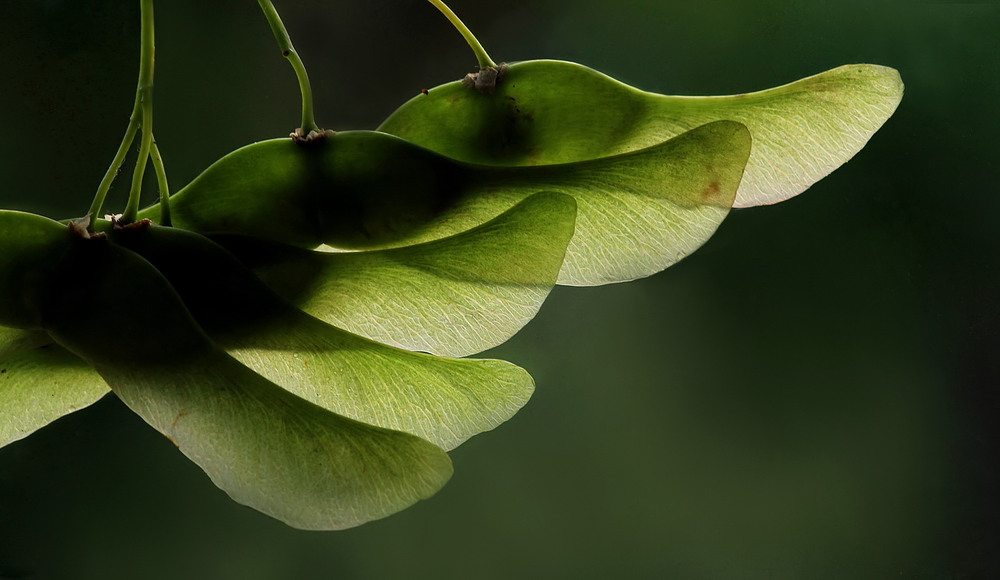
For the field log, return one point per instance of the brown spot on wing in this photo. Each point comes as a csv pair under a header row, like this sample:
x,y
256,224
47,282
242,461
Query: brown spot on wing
x,y
712,194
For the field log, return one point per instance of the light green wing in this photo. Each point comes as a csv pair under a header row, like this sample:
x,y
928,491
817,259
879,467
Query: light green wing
x,y
40,382
442,400
456,296
547,112
264,446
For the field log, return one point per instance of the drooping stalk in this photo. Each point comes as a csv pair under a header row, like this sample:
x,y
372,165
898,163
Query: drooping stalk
x,y
484,59
288,51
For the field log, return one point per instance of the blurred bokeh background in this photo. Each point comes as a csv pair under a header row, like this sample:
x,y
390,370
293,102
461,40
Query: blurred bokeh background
x,y
813,394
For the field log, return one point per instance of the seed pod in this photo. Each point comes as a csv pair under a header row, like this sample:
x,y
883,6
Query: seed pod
x,y
354,189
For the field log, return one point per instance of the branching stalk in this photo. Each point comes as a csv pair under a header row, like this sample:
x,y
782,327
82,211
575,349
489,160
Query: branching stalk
x,y
288,51
484,59
116,163
145,96
141,119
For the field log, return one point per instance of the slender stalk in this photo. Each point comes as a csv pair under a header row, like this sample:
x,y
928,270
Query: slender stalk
x,y
144,94
116,163
161,183
288,51
484,59
140,119
145,148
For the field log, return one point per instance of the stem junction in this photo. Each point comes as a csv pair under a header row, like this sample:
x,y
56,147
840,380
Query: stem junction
x,y
490,73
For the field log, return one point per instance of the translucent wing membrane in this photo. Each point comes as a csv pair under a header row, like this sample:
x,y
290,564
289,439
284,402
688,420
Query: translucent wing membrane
x,y
443,400
40,382
264,446
455,296
637,213
547,112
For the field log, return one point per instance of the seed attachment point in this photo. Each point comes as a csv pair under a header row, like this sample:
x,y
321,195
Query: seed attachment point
x,y
486,80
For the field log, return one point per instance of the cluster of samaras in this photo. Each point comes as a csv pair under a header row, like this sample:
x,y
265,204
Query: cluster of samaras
x,y
297,330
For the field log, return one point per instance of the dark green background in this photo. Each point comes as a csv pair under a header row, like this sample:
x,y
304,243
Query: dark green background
x,y
813,394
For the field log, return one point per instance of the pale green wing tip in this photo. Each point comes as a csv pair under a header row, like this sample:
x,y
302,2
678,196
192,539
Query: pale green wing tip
x,y
40,383
334,473
889,76
883,83
521,386
437,469
867,94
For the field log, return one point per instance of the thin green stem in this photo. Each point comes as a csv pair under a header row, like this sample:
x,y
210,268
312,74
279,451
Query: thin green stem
x,y
144,92
484,59
116,163
161,182
140,119
288,51
145,147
